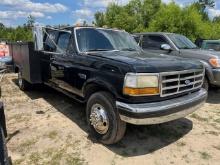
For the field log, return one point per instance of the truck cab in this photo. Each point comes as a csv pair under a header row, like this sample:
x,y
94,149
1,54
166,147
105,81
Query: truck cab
x,y
113,76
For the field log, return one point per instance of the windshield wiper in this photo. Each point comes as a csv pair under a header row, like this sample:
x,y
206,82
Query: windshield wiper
x,y
128,49
93,50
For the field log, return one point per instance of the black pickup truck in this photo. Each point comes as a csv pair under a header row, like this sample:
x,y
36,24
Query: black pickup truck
x,y
106,69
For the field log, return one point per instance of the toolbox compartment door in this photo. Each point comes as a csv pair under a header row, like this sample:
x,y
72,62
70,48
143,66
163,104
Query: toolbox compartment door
x,y
28,60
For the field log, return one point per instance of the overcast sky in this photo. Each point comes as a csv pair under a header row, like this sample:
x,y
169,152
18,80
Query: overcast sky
x,y
53,12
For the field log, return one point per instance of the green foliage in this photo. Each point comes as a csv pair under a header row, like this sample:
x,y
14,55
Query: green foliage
x,y
153,15
20,33
30,21
100,19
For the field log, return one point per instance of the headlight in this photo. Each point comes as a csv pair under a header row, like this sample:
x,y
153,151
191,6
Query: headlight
x,y
215,62
141,84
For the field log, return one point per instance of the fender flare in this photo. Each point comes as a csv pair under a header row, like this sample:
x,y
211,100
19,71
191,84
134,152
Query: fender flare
x,y
208,70
103,85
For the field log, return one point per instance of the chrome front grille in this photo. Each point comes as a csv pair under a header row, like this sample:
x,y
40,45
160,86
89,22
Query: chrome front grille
x,y
180,81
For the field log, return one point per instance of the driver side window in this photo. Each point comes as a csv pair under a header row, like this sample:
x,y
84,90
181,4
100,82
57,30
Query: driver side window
x,y
63,42
153,42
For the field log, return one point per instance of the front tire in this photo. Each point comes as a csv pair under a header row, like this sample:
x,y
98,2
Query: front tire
x,y
103,118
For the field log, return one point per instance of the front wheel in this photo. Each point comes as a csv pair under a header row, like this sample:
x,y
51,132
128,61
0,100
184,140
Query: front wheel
x,y
22,84
103,118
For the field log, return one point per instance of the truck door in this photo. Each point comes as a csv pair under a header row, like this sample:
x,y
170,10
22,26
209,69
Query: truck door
x,y
61,64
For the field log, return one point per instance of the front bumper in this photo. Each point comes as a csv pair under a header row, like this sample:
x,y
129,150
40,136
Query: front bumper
x,y
163,111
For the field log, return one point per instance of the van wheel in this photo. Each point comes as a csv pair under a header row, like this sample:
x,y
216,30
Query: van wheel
x,y
205,84
103,118
22,84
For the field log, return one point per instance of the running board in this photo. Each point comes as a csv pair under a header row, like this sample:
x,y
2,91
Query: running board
x,y
65,92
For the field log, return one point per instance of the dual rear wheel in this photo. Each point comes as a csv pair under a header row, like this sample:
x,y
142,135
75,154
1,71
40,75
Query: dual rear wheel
x,y
22,83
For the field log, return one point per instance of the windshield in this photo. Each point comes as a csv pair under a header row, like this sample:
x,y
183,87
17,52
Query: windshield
x,y
182,42
92,39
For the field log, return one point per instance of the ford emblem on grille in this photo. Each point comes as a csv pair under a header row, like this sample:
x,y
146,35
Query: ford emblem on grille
x,y
187,82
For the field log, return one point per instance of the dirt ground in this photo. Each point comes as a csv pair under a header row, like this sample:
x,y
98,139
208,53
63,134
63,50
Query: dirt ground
x,y
46,127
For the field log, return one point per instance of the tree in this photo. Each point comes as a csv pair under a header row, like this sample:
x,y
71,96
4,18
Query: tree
x,y
202,5
85,23
207,3
2,25
187,21
149,9
216,19
112,12
99,19
166,21
30,21
133,17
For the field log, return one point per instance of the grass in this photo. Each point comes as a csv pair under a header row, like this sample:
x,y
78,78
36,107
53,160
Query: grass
x,y
217,120
57,156
49,152
52,135
181,144
217,147
199,118
26,145
20,117
18,161
35,158
74,159
213,133
204,155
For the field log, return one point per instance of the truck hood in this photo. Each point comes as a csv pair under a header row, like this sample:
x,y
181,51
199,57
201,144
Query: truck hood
x,y
200,54
150,62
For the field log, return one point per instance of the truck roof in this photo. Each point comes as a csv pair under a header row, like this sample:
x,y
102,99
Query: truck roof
x,y
163,33
72,27
210,41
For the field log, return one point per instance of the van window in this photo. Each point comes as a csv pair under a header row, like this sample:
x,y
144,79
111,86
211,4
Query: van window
x,y
63,42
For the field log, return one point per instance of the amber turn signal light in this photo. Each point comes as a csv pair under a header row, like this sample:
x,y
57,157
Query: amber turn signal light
x,y
214,62
141,91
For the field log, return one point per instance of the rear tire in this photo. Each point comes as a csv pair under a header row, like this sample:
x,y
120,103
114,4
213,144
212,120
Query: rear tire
x,y
110,128
205,84
22,83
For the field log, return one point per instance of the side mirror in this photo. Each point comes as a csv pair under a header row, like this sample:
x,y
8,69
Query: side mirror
x,y
165,47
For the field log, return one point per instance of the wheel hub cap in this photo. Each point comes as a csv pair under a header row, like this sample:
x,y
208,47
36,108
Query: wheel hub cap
x,y
99,119
19,80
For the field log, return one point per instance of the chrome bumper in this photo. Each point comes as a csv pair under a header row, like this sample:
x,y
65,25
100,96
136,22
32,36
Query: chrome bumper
x,y
163,111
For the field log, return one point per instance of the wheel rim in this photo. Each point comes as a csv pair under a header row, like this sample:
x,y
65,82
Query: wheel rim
x,y
20,81
99,119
